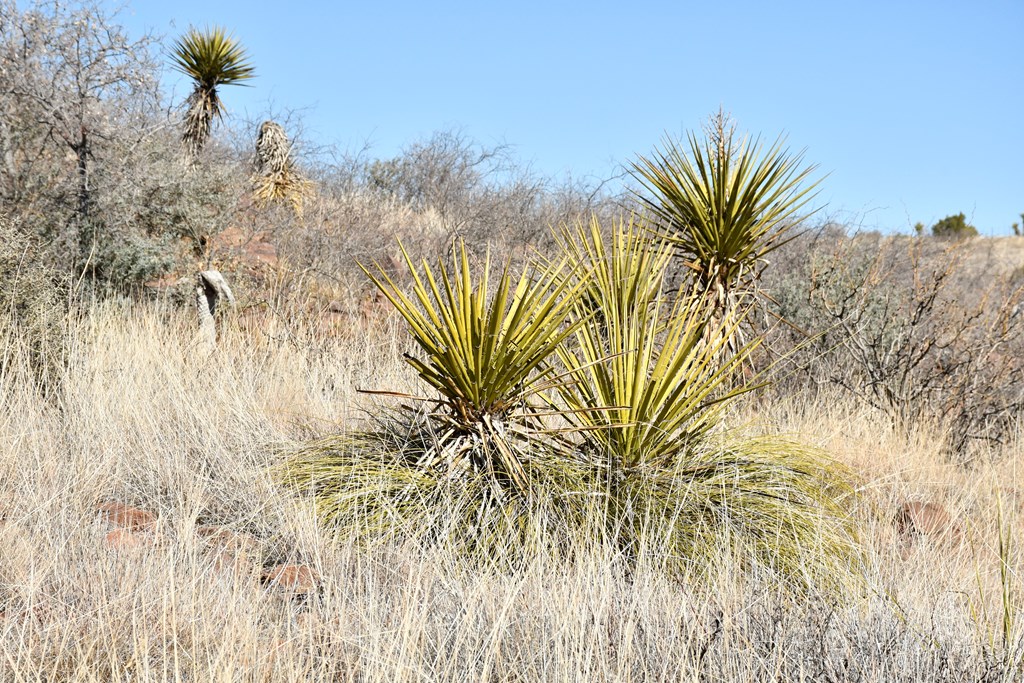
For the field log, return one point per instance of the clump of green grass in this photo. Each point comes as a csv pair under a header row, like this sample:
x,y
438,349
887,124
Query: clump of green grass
x,y
378,485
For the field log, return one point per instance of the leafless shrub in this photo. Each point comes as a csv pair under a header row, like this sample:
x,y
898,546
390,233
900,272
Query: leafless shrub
x,y
480,194
71,81
435,191
918,328
89,161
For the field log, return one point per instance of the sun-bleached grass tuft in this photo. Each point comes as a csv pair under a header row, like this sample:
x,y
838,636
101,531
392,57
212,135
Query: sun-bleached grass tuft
x,y
137,421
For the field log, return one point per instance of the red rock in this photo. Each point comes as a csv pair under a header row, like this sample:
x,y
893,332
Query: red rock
x,y
917,518
124,539
231,237
261,252
247,249
121,516
292,578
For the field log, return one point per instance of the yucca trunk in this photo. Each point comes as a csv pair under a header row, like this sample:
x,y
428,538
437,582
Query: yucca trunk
x,y
203,108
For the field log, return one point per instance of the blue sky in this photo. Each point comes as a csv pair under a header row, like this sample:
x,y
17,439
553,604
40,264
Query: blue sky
x,y
915,110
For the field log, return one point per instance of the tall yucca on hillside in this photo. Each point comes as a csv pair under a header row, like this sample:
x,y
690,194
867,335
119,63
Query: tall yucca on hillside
x,y
211,58
725,205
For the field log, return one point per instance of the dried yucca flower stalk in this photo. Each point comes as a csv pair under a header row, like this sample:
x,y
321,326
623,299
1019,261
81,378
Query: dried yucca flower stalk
x,y
275,177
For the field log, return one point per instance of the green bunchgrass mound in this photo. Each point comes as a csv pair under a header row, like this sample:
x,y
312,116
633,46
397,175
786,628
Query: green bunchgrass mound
x,y
580,405
384,484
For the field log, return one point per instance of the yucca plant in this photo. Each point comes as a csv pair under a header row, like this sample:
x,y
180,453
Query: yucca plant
x,y
648,367
480,445
648,399
635,452
724,205
484,354
211,58
276,178
618,287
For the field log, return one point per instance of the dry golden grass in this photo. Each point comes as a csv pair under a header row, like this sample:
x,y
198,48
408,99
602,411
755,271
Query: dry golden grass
x,y
142,418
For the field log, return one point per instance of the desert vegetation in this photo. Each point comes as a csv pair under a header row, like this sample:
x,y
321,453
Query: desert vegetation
x,y
465,423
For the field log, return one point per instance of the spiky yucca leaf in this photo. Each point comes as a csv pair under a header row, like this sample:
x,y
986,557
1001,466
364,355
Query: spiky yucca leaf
x,y
638,267
211,58
484,354
647,384
486,357
724,207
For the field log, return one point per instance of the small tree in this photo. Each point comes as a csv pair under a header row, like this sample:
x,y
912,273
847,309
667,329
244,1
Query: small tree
x,y
71,83
210,58
954,227
88,164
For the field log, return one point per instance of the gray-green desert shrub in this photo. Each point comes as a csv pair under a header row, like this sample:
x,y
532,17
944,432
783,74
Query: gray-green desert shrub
x,y
923,330
33,309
